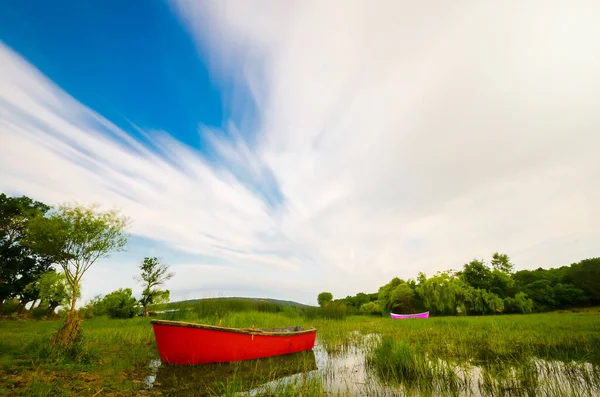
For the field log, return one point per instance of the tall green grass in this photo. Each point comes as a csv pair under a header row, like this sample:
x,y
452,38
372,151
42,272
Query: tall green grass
x,y
218,307
409,353
398,362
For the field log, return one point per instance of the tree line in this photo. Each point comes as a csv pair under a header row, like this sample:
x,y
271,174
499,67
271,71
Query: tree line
x,y
45,251
483,288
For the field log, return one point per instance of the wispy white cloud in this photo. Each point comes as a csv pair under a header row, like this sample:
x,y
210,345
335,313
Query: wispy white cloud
x,y
403,138
412,137
57,150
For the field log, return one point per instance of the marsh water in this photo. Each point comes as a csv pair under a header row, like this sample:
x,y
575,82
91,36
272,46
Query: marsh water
x,y
345,372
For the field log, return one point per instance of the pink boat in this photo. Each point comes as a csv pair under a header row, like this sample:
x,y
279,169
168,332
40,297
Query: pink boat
x,y
403,316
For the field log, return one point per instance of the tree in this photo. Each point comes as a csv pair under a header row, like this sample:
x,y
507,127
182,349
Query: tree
x,y
396,296
76,236
120,304
477,274
360,299
444,292
95,307
586,277
384,296
501,262
19,265
324,298
542,294
402,299
154,275
502,284
519,304
566,295
53,290
371,307
482,301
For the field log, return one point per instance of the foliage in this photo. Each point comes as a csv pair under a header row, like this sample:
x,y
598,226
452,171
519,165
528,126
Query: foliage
x,y
586,277
567,295
19,264
94,307
480,288
541,293
154,274
371,308
444,292
53,290
120,304
477,274
482,301
501,263
75,237
385,295
519,304
324,298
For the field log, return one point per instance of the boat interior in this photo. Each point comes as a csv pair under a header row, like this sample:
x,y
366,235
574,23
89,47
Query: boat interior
x,y
285,329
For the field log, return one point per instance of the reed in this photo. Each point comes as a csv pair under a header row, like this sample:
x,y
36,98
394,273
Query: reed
x,y
205,308
538,354
398,362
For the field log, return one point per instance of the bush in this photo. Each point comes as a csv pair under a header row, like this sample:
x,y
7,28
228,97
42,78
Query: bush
x,y
519,304
10,306
40,312
79,352
371,308
120,304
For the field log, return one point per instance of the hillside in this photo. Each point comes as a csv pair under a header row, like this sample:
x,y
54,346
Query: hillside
x,y
232,298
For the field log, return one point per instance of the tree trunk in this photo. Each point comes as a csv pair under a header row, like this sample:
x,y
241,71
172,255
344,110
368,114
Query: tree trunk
x,y
51,308
70,332
21,307
1,306
145,310
73,299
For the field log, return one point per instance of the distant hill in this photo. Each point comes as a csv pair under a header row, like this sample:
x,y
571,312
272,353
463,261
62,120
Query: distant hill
x,y
270,300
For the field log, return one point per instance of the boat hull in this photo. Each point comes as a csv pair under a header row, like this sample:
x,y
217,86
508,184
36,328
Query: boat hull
x,y
405,316
190,344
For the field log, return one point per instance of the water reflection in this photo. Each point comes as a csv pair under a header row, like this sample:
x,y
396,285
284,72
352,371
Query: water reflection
x,y
344,372
229,378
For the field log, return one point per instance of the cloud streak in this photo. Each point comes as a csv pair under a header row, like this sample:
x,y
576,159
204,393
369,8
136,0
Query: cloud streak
x,y
411,137
387,139
55,149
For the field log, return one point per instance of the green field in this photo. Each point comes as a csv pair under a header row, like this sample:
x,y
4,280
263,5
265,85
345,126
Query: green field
x,y
537,354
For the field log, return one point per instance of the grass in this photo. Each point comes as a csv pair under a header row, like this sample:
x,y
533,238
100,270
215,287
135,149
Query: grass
x,y
498,355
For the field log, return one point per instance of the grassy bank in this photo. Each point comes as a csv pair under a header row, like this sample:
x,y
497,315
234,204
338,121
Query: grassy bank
x,y
115,357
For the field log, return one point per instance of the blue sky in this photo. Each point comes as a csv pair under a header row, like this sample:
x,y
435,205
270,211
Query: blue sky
x,y
285,148
126,60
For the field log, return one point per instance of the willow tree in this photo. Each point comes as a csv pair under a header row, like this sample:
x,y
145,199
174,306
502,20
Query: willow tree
x,y
76,237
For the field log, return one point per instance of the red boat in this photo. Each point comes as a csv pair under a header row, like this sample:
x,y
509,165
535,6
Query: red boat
x,y
189,343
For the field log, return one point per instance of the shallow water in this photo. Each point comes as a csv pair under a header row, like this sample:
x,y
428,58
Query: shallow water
x,y
345,373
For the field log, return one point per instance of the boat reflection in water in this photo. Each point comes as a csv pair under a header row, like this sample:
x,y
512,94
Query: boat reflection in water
x,y
231,377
